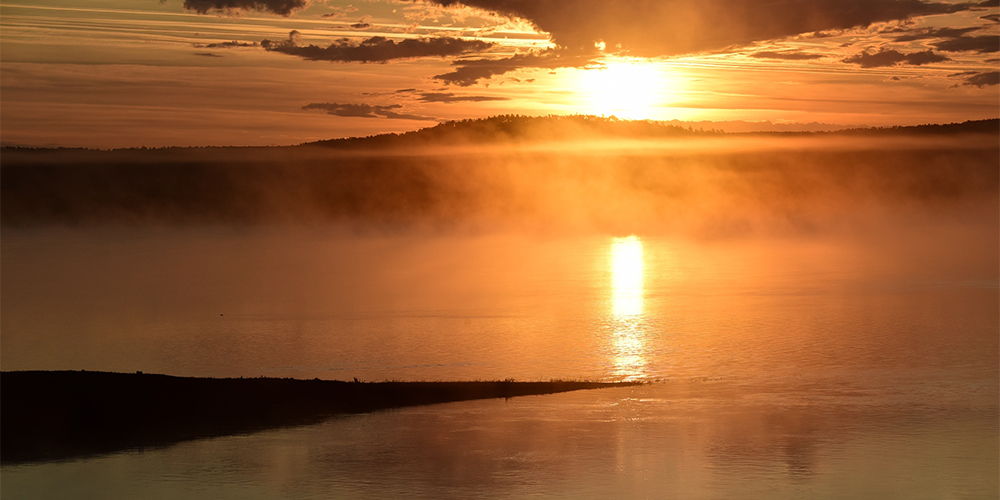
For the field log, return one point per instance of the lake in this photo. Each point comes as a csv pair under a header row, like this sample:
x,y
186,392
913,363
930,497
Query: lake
x,y
856,363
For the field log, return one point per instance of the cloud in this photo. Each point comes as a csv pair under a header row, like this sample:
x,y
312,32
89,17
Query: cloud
x,y
823,34
889,57
225,45
376,49
983,44
790,55
930,33
653,28
984,79
449,97
954,39
471,71
206,54
991,17
341,11
364,111
362,23
279,7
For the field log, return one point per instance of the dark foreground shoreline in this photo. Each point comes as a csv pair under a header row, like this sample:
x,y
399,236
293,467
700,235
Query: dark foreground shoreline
x,y
53,415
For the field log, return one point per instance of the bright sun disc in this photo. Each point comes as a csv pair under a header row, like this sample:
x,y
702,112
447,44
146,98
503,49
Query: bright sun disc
x,y
626,89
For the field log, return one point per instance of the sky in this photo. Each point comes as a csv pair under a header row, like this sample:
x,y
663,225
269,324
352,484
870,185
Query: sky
x,y
131,73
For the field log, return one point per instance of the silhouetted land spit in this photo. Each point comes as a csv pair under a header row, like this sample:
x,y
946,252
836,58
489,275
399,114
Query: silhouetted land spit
x,y
51,415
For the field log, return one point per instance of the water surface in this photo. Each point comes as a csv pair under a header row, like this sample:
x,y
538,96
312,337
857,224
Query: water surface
x,y
863,365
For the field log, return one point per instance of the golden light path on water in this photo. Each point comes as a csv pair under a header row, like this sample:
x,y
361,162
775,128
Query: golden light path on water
x,y
628,343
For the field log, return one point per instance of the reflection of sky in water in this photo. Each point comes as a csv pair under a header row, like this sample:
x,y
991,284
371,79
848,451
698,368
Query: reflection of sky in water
x,y
629,347
792,368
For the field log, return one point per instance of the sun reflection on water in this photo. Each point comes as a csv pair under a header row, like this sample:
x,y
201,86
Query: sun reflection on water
x,y
626,276
628,342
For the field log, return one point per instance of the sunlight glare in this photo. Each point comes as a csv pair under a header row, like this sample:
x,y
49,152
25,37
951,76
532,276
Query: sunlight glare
x,y
626,276
623,88
628,338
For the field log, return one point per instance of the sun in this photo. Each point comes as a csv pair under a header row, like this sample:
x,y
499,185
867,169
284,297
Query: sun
x,y
625,88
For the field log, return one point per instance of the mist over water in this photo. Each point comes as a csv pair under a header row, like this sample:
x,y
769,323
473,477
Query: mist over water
x,y
701,187
820,315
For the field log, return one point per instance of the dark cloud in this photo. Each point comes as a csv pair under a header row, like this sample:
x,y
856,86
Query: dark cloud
x,y
983,44
790,55
225,45
470,71
984,79
362,23
889,57
279,7
673,27
992,17
930,33
341,11
824,34
376,49
953,39
448,97
206,54
989,3
364,111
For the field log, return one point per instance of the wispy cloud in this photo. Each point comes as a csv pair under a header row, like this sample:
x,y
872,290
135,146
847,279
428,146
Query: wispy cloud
x,y
340,11
226,45
952,39
666,28
980,79
890,57
449,97
365,111
932,33
279,7
470,71
982,44
789,55
362,23
376,49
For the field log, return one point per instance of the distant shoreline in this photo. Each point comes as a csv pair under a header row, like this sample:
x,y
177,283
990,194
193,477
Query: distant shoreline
x,y
56,415
521,130
518,172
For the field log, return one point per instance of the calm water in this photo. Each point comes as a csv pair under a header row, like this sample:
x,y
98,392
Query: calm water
x,y
855,366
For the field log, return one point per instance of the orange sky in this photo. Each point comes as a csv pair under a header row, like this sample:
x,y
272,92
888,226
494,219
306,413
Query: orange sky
x,y
121,73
